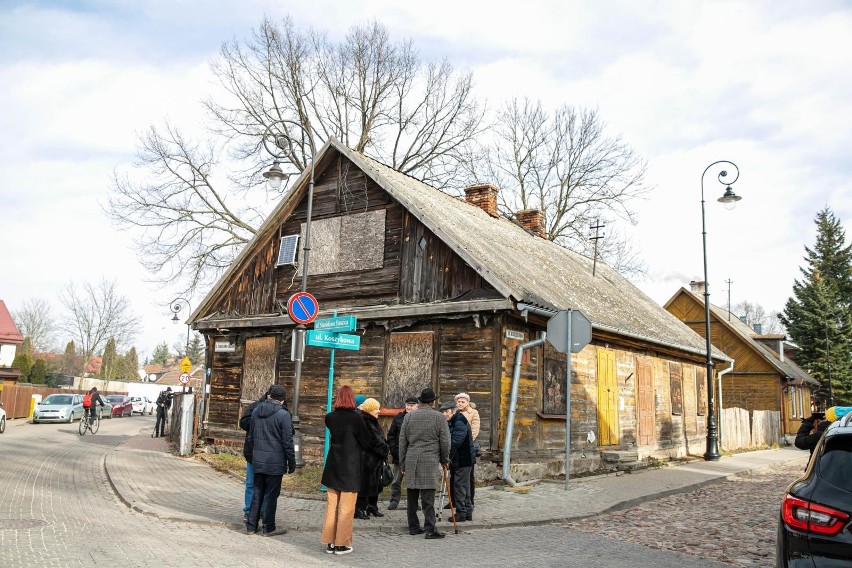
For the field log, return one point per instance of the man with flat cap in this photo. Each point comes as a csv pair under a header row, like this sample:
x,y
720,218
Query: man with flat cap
x,y
424,444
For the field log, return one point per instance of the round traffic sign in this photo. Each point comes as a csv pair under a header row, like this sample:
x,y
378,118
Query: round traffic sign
x,y
184,378
302,307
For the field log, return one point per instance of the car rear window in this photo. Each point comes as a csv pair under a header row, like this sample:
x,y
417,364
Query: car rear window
x,y
836,462
114,398
135,399
57,399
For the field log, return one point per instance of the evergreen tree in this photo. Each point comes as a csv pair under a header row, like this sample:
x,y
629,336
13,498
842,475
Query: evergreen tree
x,y
38,373
109,361
196,349
72,364
161,354
818,316
23,362
130,365
27,346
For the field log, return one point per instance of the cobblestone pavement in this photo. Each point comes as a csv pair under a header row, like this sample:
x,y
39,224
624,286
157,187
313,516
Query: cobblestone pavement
x,y
733,522
60,507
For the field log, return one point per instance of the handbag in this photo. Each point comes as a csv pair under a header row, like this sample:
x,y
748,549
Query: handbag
x,y
385,475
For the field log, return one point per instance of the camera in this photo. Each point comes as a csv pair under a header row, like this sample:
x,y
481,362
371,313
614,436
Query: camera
x,y
819,415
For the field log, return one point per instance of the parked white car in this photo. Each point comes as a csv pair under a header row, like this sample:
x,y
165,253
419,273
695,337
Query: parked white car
x,y
2,419
142,405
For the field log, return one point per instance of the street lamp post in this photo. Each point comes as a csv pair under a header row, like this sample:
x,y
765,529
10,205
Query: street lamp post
x,y
828,366
729,199
275,176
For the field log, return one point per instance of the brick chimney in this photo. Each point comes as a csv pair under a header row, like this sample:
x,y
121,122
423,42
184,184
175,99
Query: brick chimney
x,y
697,287
484,196
533,221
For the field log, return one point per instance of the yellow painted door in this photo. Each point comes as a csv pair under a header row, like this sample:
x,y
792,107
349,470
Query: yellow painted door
x,y
607,398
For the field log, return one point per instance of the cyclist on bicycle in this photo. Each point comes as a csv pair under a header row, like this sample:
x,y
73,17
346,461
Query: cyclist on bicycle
x,y
90,403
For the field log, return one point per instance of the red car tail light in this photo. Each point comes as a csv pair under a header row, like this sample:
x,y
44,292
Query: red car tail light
x,y
811,517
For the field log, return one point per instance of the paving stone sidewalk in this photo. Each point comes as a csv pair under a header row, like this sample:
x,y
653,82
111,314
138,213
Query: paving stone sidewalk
x,y
152,481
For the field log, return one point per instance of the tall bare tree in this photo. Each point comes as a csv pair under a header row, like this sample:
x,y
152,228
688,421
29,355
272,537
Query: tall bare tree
x,y
564,163
95,313
192,205
754,314
35,320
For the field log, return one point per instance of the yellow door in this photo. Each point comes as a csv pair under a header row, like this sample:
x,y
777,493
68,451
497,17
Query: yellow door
x,y
607,398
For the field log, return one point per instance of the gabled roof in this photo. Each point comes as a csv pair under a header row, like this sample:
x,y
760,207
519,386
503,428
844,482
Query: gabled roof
x,y
521,266
9,332
787,368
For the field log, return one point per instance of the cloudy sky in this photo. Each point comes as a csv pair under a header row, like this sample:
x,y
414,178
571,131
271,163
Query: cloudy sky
x,y
766,85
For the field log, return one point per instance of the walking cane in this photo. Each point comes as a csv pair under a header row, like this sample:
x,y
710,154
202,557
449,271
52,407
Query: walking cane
x,y
450,498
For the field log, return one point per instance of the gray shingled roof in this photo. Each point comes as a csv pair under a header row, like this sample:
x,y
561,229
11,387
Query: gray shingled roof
x,y
519,265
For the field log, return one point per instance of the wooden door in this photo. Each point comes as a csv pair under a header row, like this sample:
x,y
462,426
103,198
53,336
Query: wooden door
x,y
645,402
607,398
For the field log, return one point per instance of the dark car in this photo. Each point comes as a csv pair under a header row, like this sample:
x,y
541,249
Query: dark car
x,y
121,404
814,529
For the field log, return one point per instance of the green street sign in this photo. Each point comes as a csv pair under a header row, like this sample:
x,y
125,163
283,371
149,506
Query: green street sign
x,y
335,324
333,340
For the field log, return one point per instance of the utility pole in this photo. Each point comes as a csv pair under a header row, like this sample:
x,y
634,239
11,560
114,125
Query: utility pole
x,y
729,282
598,235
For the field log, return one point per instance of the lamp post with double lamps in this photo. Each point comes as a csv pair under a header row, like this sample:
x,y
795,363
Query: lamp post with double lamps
x,y
729,198
282,142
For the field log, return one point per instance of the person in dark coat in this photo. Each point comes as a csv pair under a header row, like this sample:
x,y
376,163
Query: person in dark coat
x,y
372,460
393,443
245,424
273,454
348,436
462,458
811,431
164,402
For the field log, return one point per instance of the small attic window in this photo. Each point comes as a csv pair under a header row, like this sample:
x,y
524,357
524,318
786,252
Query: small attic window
x,y
287,250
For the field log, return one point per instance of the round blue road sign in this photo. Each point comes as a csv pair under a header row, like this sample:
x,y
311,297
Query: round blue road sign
x,y
302,307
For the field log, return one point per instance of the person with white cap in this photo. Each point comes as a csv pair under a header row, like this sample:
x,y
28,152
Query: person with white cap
x,y
468,409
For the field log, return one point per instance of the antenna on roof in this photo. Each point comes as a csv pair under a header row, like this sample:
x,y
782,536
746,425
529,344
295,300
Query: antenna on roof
x,y
729,282
598,235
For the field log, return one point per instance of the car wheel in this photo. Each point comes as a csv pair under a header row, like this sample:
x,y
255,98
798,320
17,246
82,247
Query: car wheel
x,y
2,424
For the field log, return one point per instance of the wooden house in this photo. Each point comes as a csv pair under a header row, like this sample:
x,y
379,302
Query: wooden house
x,y
435,282
764,377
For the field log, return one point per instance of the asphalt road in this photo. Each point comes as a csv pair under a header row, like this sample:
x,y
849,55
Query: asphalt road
x,y
57,508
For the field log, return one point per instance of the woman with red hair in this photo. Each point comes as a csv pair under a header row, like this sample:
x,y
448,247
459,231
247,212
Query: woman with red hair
x,y
342,473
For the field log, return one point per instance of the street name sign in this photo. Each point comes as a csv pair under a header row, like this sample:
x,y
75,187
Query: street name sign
x,y
333,340
336,324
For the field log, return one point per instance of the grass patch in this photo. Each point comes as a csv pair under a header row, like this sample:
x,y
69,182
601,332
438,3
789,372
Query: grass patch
x,y
308,481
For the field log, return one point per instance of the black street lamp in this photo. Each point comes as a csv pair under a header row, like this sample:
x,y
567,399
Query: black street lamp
x,y
729,199
176,307
283,142
828,366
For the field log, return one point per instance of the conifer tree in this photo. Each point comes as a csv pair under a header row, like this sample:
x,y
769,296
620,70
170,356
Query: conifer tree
x,y
109,361
130,366
38,373
818,315
161,354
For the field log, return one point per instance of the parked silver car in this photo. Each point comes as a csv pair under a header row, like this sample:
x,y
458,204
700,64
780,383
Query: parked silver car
x,y
59,408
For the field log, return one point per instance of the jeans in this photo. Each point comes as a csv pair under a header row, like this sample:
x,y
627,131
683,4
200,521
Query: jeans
x,y
396,484
264,498
249,487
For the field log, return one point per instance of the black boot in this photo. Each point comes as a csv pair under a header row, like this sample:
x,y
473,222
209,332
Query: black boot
x,y
373,510
361,514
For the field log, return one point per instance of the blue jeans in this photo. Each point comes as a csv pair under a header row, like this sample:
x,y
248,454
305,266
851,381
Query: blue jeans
x,y
249,487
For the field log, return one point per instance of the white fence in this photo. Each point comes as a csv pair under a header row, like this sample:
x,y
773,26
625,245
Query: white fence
x,y
741,431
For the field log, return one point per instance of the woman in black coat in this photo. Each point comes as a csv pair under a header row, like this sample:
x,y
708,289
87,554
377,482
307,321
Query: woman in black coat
x,y
372,459
342,473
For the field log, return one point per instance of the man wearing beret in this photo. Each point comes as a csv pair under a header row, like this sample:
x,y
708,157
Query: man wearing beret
x,y
393,442
424,445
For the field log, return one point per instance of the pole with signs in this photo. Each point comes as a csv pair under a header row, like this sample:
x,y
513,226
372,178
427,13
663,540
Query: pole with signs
x,y
185,368
568,332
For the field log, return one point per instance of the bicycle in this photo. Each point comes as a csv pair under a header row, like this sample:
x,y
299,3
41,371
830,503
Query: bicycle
x,y
90,423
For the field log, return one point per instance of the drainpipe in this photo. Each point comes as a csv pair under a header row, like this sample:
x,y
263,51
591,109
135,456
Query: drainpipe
x,y
719,378
513,403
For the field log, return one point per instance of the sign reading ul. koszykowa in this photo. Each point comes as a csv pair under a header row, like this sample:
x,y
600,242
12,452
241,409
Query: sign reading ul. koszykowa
x,y
336,324
332,340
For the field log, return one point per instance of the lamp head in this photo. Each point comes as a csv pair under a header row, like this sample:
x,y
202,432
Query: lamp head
x,y
729,199
175,318
275,175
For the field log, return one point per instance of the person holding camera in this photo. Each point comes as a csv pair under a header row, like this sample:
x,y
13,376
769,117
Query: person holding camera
x,y
811,431
164,402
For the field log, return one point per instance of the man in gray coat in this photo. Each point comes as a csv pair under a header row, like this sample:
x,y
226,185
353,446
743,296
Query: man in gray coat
x,y
424,444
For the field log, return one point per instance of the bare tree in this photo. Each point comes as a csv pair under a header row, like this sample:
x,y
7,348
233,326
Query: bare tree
x,y
376,95
566,165
35,320
754,314
94,314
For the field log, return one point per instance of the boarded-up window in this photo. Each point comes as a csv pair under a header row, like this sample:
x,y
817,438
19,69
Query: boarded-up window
x,y
409,367
701,390
553,393
258,367
346,243
676,388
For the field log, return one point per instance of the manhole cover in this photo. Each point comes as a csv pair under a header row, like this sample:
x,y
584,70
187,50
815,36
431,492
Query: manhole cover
x,y
18,524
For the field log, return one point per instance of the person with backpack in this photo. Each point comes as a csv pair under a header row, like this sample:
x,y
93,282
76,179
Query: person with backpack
x,y
90,403
164,402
